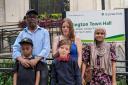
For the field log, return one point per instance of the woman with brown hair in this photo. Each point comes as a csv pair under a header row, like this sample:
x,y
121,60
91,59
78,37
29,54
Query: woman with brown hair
x,y
67,32
102,59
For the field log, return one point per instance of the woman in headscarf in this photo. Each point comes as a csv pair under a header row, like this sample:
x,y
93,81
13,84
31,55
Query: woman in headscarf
x,y
102,59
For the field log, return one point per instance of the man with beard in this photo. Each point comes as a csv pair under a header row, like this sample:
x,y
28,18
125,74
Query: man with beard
x,y
41,45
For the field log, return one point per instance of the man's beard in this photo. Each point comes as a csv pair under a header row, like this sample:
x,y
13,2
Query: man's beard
x,y
32,25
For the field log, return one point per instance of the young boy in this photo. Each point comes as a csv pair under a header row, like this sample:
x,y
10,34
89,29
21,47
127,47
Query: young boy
x,y
26,75
65,70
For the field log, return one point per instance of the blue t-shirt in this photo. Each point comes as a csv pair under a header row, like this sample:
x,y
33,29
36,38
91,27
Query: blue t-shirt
x,y
73,51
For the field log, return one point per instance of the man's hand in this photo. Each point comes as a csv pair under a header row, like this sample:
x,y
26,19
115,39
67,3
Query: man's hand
x,y
33,62
24,62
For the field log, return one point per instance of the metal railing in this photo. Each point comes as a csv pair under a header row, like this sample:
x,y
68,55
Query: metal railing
x,y
8,34
7,70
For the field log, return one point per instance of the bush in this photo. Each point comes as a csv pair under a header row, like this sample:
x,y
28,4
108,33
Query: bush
x,y
6,77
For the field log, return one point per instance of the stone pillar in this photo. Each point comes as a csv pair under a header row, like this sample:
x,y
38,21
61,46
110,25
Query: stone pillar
x,y
2,12
115,4
15,10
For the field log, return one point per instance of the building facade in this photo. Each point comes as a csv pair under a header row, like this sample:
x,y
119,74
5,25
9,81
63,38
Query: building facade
x,y
11,11
82,5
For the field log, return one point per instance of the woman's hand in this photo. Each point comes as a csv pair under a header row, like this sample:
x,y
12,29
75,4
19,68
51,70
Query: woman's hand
x,y
113,73
83,82
114,83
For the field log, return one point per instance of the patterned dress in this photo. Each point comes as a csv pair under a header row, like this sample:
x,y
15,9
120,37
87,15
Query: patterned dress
x,y
99,74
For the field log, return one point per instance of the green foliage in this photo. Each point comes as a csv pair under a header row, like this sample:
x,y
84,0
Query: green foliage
x,y
6,77
121,82
43,16
55,16
6,63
